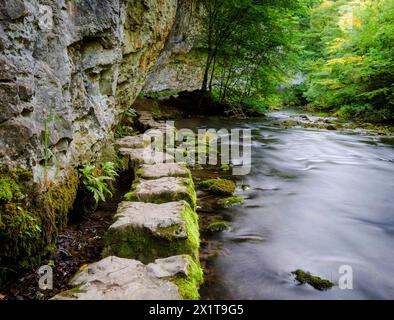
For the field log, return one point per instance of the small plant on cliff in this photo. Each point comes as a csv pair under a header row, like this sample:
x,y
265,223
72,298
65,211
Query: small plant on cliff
x,y
96,184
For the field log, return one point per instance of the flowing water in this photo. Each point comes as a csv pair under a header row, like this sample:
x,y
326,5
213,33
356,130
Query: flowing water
x,y
319,200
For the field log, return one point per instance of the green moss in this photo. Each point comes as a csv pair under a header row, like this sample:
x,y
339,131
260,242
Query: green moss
x,y
231,201
141,244
217,226
316,282
69,294
225,167
221,187
31,219
188,286
9,189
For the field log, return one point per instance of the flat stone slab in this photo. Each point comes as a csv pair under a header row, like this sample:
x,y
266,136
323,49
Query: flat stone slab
x,y
116,278
154,217
161,170
145,156
132,142
163,190
147,231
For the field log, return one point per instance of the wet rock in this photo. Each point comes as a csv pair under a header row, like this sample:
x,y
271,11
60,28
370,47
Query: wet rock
x,y
163,190
146,231
222,187
163,170
116,278
331,127
230,201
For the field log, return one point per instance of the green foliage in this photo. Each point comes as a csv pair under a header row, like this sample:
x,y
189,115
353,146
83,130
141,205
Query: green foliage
x,y
349,59
250,46
131,113
97,184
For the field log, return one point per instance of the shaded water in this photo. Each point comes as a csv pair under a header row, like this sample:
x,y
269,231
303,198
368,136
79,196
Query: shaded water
x,y
320,199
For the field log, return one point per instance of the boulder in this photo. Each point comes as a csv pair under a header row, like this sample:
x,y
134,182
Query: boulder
x,y
146,231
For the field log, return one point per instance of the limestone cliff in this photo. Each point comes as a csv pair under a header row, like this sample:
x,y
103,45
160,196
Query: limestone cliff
x,y
180,66
68,70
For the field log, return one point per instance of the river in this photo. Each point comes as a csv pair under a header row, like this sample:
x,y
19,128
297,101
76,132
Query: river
x,y
319,200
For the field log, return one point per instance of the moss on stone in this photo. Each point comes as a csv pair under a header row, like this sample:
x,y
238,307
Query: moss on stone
x,y
188,286
316,282
31,217
224,167
231,201
69,294
143,245
217,226
221,187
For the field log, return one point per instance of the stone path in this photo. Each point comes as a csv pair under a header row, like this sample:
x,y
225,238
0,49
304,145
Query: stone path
x,y
152,248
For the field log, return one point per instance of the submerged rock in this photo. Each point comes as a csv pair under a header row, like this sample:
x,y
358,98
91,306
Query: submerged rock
x,y
222,187
163,190
316,282
116,278
146,231
230,201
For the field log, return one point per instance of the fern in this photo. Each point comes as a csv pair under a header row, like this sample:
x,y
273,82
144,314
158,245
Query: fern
x,y
97,184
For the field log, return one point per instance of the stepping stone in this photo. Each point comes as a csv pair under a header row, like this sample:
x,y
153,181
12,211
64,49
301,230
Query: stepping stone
x,y
132,142
146,231
116,278
145,156
163,170
163,190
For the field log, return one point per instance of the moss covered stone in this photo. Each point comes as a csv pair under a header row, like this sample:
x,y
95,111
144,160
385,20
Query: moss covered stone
x,y
31,217
217,226
163,190
316,282
221,187
230,201
189,283
146,231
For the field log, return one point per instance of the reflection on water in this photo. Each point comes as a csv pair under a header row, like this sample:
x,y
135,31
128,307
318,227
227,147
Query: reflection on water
x,y
319,200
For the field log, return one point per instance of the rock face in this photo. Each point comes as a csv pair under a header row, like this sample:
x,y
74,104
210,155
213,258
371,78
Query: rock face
x,y
115,278
68,70
180,65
